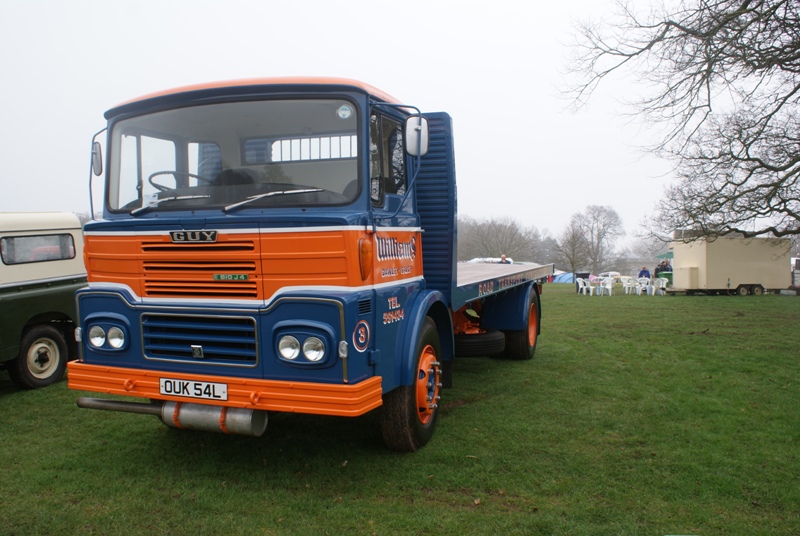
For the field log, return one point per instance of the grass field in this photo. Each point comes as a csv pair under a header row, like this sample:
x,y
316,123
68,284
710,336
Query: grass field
x,y
639,415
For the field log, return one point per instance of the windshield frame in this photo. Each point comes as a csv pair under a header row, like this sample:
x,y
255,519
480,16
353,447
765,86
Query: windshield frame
x,y
332,174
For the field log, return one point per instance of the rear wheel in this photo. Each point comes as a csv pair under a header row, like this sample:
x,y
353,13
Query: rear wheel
x,y
410,412
42,358
757,290
521,344
489,342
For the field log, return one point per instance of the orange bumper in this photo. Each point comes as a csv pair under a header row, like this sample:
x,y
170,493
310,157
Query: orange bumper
x,y
269,395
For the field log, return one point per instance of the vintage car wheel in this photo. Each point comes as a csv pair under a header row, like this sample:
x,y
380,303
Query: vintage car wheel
x,y
42,358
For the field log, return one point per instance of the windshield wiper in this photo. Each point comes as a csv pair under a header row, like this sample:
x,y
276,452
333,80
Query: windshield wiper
x,y
144,208
269,194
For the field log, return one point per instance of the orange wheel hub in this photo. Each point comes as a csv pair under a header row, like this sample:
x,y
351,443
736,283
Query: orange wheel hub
x,y
427,385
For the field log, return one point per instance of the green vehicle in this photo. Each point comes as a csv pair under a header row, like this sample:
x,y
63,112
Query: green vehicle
x,y
42,267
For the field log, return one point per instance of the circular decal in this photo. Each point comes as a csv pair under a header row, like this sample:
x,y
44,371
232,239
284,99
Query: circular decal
x,y
361,335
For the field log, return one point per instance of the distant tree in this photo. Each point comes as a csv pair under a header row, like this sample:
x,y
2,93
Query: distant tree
x,y
547,250
723,78
83,217
494,237
572,248
601,227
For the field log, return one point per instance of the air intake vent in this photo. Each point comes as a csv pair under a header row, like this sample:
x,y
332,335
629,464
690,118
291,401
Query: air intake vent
x,y
200,339
154,267
191,247
224,270
200,289
364,307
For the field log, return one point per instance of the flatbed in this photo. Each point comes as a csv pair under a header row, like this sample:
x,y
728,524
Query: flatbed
x,y
478,280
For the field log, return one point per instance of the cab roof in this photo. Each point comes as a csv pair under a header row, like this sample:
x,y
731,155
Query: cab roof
x,y
249,85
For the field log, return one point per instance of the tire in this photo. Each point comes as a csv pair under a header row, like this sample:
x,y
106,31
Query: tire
x,y
486,343
521,344
757,290
410,412
42,358
742,290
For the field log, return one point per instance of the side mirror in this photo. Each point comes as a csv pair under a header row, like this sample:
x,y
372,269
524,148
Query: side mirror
x,y
416,135
97,159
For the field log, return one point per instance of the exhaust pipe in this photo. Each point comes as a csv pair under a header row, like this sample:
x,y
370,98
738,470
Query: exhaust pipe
x,y
201,417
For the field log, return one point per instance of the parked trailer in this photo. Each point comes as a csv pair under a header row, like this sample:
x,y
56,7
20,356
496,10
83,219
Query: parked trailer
x,y
286,245
737,265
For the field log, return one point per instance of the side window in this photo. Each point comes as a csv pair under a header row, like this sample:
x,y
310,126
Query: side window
x,y
387,158
140,156
26,249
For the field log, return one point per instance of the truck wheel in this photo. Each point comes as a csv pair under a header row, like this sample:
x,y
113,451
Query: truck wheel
x,y
757,290
521,344
742,290
410,411
42,358
489,342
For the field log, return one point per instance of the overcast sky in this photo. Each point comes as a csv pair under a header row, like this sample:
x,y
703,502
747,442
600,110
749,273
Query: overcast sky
x,y
495,67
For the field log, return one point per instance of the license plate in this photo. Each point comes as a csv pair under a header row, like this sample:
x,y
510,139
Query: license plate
x,y
194,389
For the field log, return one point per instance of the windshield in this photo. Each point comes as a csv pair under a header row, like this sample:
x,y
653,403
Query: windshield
x,y
235,155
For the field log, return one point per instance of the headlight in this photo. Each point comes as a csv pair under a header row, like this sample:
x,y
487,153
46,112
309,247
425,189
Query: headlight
x,y
116,337
97,336
289,347
313,349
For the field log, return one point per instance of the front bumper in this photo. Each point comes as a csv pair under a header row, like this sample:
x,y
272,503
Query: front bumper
x,y
349,400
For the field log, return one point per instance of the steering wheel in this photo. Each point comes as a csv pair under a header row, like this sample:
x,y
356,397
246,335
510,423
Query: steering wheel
x,y
162,188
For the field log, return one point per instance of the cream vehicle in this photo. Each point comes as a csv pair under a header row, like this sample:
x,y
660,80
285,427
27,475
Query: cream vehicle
x,y
41,268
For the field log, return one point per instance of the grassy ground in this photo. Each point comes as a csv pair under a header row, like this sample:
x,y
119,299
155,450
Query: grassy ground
x,y
639,415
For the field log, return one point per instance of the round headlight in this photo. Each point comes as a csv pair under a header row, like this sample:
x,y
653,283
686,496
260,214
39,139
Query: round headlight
x,y
313,349
289,347
116,338
97,336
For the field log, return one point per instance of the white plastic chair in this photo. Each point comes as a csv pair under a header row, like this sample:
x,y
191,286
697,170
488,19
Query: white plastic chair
x,y
606,286
643,285
591,285
584,287
629,284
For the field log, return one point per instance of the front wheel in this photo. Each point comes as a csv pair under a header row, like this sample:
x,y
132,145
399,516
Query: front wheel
x,y
743,290
42,358
410,412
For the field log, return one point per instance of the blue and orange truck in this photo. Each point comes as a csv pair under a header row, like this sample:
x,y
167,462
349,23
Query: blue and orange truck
x,y
285,245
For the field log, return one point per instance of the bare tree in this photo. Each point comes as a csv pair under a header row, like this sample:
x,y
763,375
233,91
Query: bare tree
x,y
546,251
724,79
573,248
494,237
601,227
